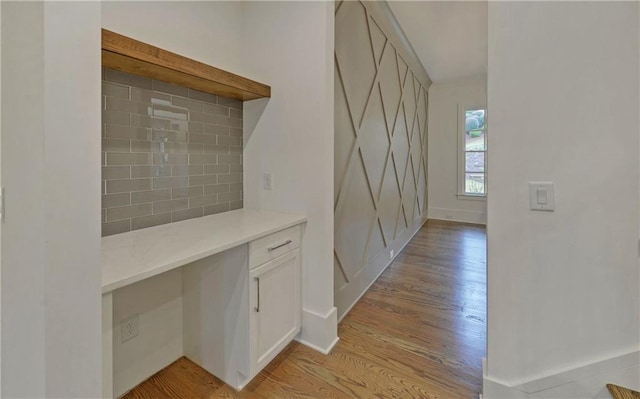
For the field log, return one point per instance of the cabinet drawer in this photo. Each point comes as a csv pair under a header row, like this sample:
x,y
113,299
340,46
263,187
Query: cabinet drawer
x,y
270,247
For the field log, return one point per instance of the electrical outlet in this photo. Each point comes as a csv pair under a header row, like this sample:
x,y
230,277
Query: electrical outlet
x,y
391,254
129,328
268,181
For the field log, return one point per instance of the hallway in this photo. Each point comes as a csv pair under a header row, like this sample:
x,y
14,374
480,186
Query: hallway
x,y
419,332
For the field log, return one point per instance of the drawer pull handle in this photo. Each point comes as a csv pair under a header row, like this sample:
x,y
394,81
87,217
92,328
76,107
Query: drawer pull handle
x,y
257,308
280,245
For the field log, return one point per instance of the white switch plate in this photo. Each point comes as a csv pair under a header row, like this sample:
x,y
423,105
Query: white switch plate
x,y
541,196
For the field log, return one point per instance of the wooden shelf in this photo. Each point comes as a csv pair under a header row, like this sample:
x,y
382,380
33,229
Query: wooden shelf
x,y
132,56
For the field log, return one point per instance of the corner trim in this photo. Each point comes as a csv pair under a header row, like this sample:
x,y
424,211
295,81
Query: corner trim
x,y
319,332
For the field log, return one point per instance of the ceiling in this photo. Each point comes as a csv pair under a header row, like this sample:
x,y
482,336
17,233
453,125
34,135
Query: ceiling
x,y
450,37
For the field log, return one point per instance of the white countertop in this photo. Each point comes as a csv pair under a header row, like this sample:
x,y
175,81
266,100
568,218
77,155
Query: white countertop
x,y
131,257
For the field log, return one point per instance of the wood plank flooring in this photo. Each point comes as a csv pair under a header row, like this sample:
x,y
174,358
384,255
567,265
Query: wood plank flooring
x,y
419,332
619,392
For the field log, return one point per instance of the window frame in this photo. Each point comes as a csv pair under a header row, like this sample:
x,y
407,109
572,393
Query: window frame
x,y
462,194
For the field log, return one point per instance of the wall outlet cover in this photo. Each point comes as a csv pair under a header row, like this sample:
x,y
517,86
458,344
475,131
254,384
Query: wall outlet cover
x,y
129,328
268,181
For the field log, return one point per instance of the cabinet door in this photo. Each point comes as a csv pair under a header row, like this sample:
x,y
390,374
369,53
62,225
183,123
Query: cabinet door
x,y
276,308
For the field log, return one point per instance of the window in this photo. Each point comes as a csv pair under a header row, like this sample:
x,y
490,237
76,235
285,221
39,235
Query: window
x,y
472,175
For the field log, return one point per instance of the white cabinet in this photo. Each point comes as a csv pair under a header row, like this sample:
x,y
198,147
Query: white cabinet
x,y
276,310
217,261
237,318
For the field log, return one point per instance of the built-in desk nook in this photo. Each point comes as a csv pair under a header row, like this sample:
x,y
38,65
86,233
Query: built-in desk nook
x,y
222,290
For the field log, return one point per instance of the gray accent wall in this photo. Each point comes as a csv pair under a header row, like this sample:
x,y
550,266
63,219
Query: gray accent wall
x,y
380,146
169,153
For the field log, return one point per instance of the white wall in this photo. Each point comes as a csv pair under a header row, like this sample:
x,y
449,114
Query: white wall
x,y
23,239
0,186
51,262
210,32
289,45
158,304
444,101
563,95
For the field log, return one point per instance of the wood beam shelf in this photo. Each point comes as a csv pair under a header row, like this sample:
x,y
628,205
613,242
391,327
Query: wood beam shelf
x,y
129,55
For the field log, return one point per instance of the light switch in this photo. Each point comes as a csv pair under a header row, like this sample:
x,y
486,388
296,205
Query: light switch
x,y
541,196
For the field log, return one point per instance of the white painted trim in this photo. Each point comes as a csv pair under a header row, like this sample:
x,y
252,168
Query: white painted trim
x,y
584,381
107,345
458,215
324,351
495,390
398,249
319,332
582,372
469,197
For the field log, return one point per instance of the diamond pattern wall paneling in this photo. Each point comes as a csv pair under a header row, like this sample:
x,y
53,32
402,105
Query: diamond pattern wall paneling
x,y
380,149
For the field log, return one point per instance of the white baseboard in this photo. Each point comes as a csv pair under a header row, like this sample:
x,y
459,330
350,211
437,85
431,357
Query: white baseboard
x,y
458,215
319,332
587,381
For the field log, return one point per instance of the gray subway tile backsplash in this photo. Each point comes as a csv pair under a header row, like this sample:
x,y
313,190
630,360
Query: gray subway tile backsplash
x,y
116,172
127,185
203,180
115,117
171,205
140,197
122,159
216,109
150,221
115,90
216,129
216,189
186,192
121,226
185,214
169,153
230,178
204,200
150,171
169,88
202,96
126,132
115,200
114,76
217,208
128,212
216,169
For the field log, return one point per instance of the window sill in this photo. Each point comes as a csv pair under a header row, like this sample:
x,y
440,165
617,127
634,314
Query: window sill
x,y
470,197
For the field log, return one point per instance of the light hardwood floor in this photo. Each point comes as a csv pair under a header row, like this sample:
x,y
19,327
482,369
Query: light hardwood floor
x,y
619,392
419,332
